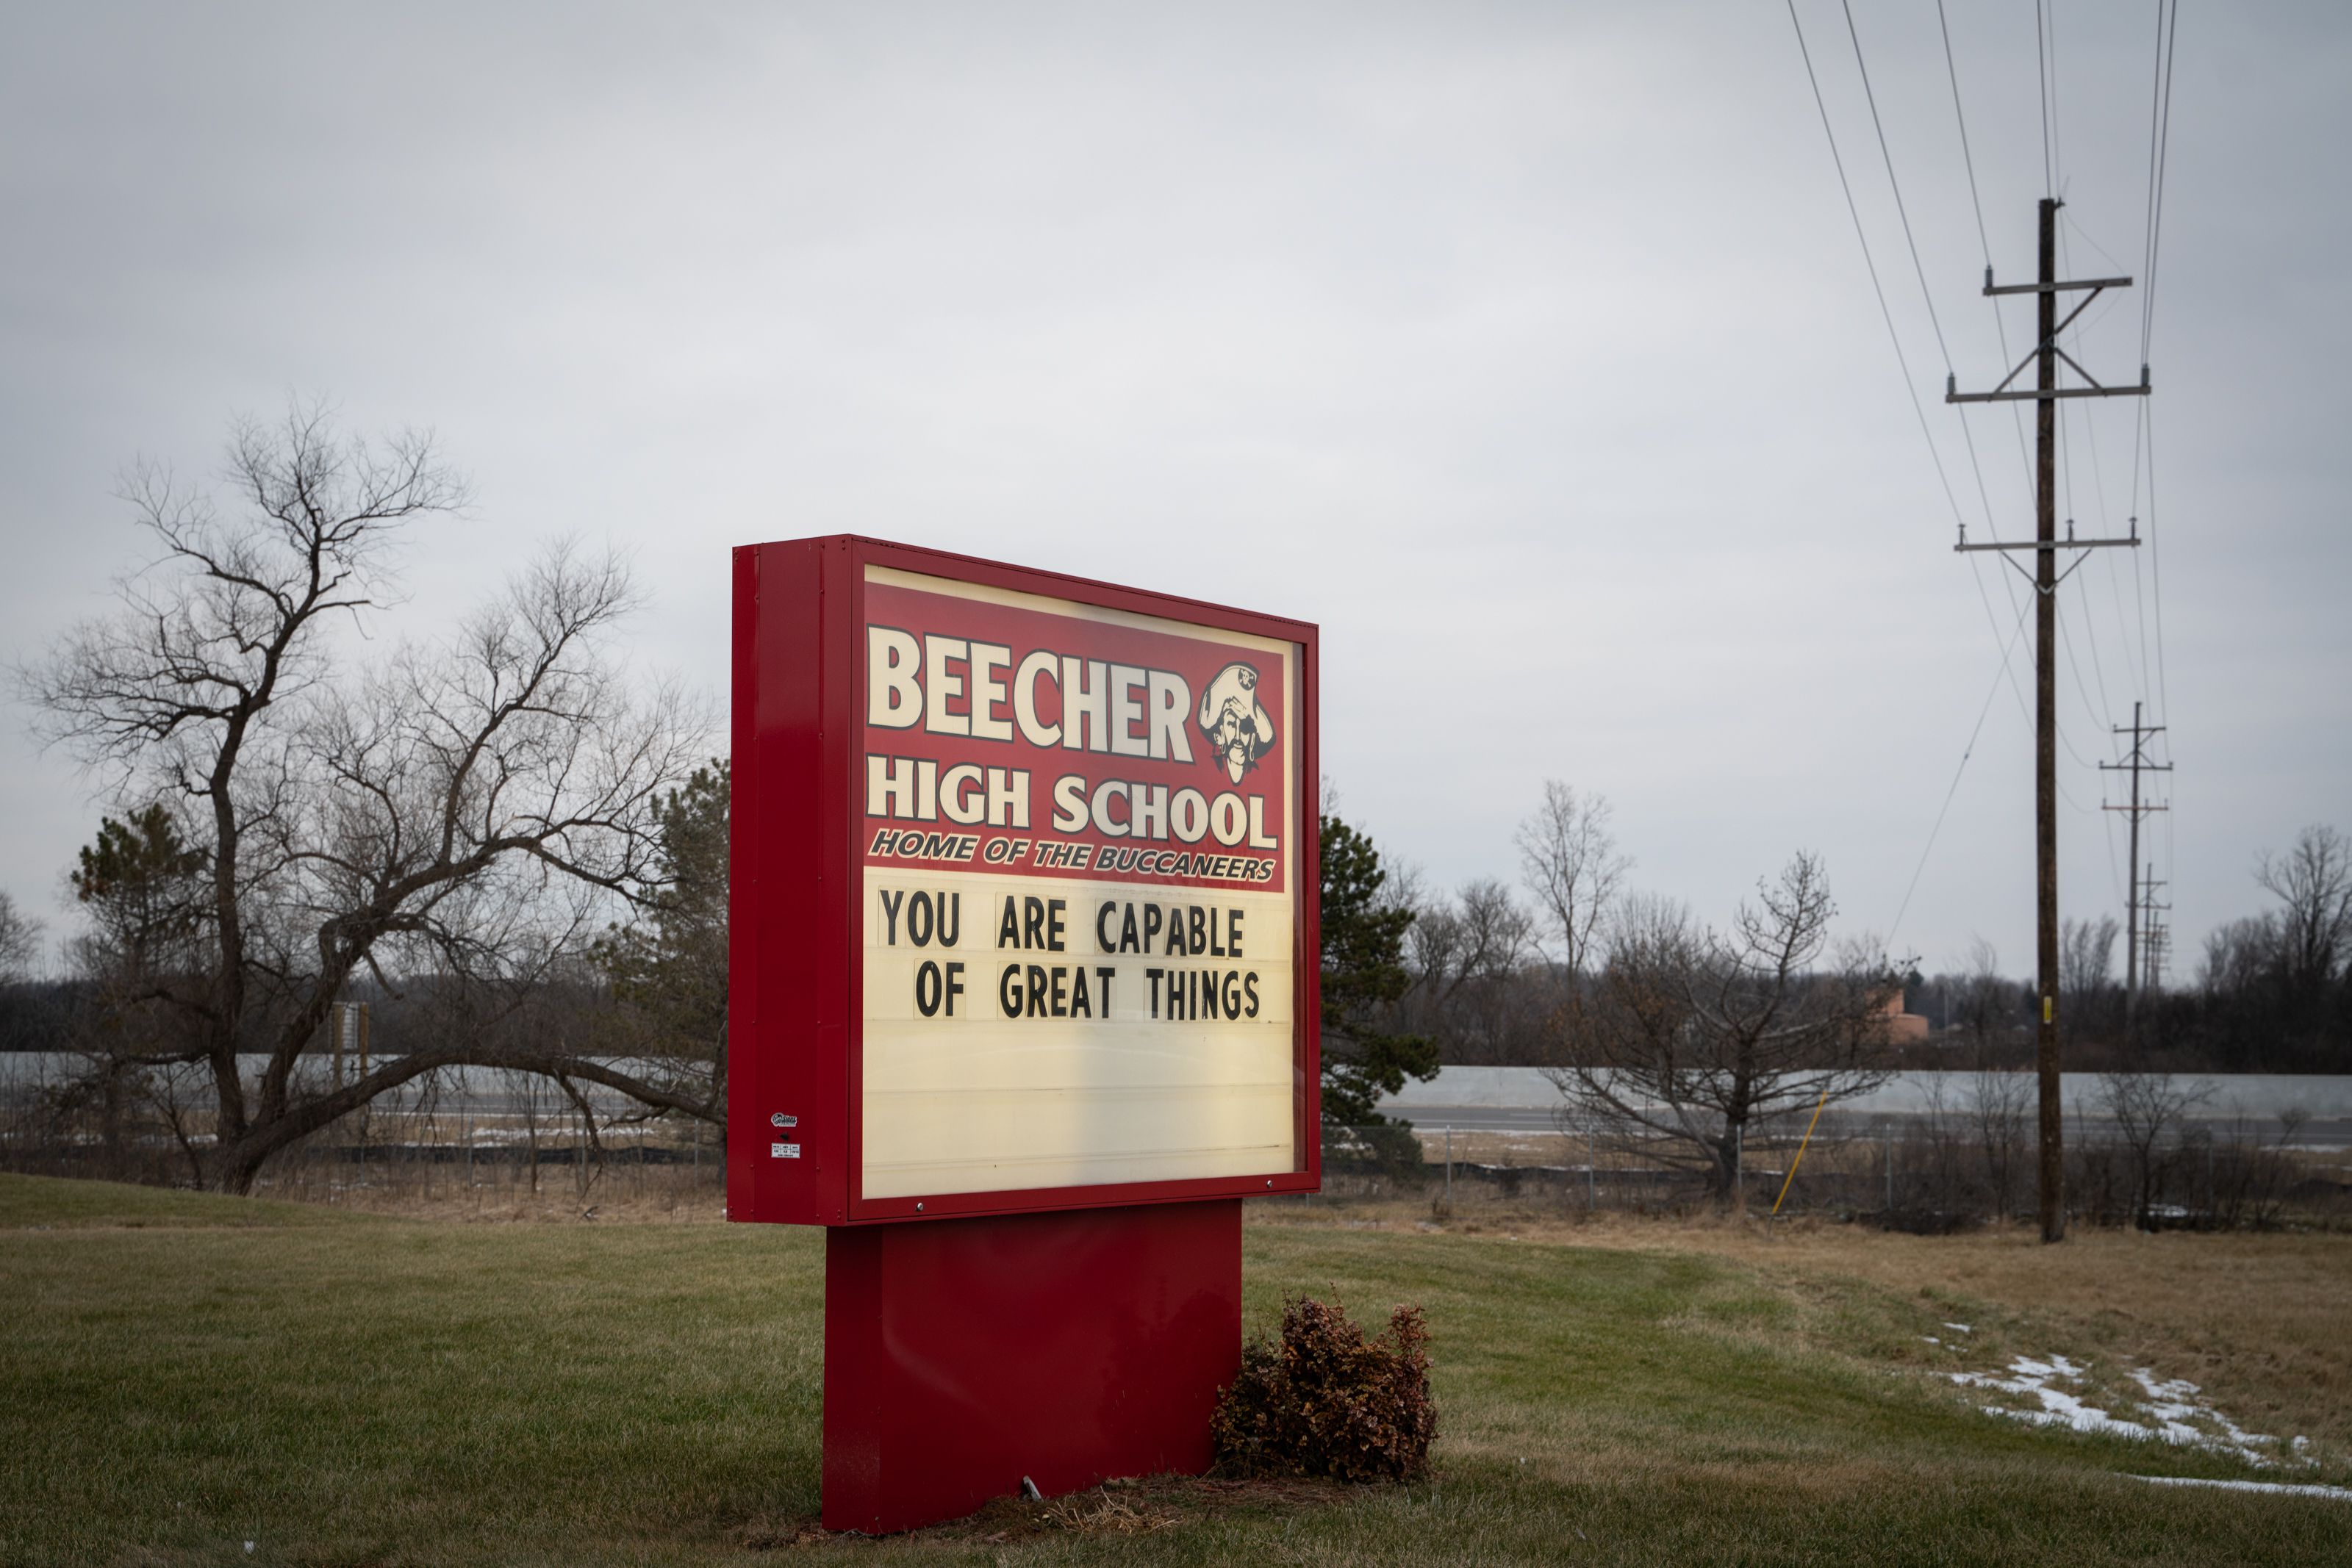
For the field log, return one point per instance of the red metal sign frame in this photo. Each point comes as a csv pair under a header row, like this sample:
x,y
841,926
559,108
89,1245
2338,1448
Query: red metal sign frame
x,y
795,982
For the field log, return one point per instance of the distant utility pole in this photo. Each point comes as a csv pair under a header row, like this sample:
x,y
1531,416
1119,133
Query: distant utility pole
x,y
2136,765
2046,576
346,1026
2160,940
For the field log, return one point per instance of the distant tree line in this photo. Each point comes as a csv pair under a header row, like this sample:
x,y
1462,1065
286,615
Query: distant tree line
x,y
1495,972
2271,992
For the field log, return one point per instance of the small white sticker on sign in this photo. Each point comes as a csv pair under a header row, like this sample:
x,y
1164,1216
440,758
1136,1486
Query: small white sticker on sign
x,y
784,1151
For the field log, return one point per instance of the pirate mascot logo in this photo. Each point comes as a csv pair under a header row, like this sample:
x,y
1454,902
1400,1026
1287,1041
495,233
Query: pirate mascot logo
x,y
1240,731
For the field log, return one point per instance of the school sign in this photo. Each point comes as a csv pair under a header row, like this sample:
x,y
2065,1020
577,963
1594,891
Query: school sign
x,y
1022,1000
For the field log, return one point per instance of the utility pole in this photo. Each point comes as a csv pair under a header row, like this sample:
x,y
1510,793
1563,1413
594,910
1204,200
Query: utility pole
x,y
2158,939
2046,576
2137,764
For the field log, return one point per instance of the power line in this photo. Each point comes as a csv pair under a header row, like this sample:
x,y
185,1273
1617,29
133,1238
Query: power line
x,y
2041,81
1965,752
2140,670
2137,673
2091,632
1903,210
2156,574
2159,140
1984,244
1886,314
2074,664
1902,360
1952,68
1918,269
1928,296
2049,9
2099,490
2105,711
2160,157
2149,594
1900,210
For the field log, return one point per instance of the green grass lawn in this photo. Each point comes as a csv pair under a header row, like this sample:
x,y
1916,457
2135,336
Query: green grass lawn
x,y
181,1375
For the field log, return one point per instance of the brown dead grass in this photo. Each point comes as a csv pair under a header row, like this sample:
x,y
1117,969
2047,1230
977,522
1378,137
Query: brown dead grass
x,y
2261,1320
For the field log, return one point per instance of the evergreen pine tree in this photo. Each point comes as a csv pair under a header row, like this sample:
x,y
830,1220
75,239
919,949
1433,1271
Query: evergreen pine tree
x,y
1363,977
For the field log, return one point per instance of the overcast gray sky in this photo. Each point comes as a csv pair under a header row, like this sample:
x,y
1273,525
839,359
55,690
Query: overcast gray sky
x,y
1528,349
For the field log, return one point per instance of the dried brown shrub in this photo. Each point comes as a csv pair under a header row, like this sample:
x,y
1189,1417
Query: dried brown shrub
x,y
1324,1400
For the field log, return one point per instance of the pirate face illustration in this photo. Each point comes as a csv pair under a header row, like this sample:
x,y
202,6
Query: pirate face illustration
x,y
1239,730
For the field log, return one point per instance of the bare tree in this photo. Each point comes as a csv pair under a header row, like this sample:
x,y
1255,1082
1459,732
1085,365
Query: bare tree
x,y
1999,1100
2002,1101
2086,955
2250,1177
1985,1010
1466,954
20,942
455,815
1570,858
2239,954
2314,881
1690,1038
2149,1111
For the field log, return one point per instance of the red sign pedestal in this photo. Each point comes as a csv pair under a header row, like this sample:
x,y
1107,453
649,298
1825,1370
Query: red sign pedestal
x,y
963,1355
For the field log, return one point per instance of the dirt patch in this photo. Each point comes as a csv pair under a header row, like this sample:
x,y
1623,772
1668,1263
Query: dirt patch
x,y
1142,1505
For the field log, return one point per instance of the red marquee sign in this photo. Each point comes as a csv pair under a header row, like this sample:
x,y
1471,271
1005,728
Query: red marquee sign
x,y
1016,929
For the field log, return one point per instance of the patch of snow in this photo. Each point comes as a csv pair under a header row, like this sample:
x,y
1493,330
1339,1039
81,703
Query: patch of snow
x,y
2174,1412
1961,1328
1931,1339
2177,1404
2280,1487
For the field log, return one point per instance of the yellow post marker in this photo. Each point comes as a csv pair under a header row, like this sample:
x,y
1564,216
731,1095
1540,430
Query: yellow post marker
x,y
1801,1149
